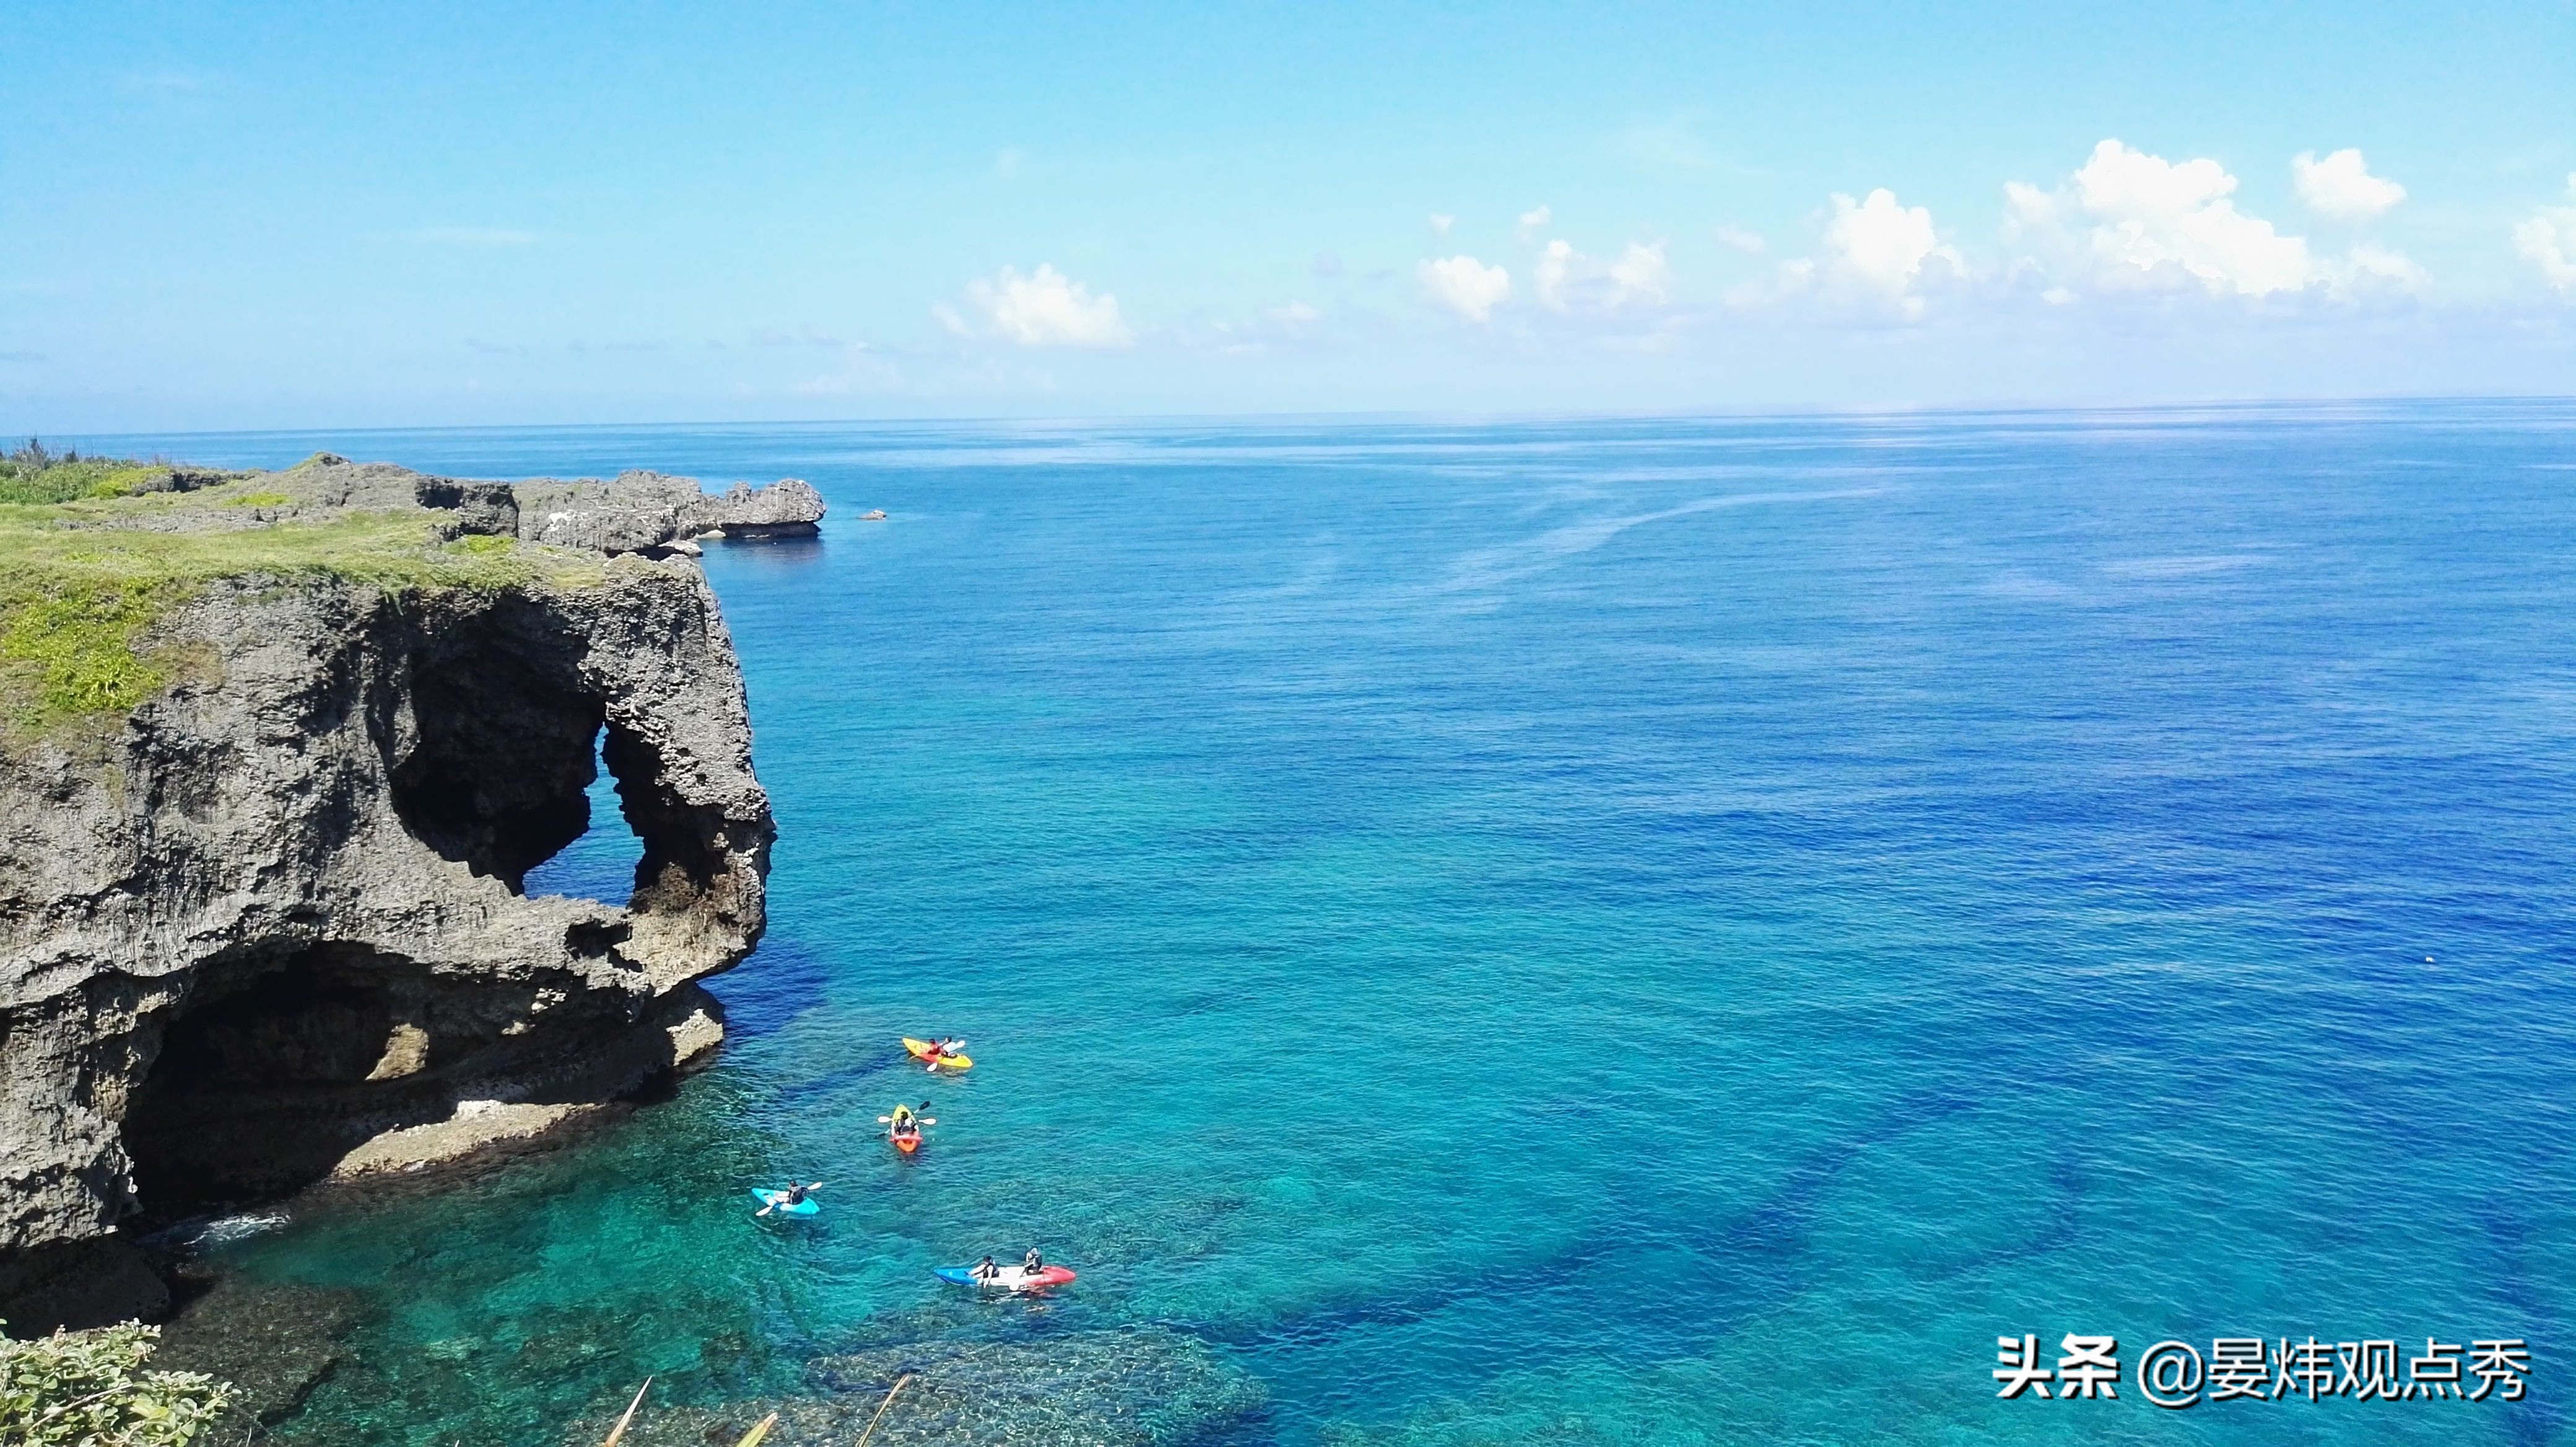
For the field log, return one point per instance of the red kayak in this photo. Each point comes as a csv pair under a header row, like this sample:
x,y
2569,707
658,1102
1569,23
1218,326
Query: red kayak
x,y
906,1143
1011,1278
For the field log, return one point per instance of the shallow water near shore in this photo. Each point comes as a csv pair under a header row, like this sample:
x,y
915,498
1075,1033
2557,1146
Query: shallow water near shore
x,y
1599,932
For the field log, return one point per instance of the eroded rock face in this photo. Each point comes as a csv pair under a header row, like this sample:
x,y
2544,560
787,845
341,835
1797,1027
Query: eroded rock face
x,y
642,511
278,929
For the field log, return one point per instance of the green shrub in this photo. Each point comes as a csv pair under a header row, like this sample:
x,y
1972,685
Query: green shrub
x,y
261,499
89,1389
31,474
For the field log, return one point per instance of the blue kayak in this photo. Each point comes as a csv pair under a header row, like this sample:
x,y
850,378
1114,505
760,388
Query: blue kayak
x,y
777,1202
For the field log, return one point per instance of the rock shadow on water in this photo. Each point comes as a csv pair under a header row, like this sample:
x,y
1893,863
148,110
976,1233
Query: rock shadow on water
x,y
1134,1387
274,1342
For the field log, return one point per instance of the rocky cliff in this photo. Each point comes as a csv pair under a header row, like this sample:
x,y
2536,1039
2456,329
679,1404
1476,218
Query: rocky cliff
x,y
262,916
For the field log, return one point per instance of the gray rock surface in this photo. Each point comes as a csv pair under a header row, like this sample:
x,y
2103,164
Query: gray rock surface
x,y
785,508
641,511
279,922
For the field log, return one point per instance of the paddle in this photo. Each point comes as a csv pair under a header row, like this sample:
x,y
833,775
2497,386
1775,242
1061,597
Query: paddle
x,y
881,1409
619,1434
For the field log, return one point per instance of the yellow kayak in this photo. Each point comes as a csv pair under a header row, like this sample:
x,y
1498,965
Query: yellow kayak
x,y
926,1051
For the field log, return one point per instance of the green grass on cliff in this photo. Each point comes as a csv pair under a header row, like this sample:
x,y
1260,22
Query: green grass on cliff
x,y
32,474
84,583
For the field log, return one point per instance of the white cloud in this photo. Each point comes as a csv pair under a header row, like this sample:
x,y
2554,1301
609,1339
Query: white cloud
x,y
1554,268
1441,221
1882,244
2369,265
1045,308
1641,274
2152,219
1742,239
1466,286
2548,240
1565,279
2341,187
1535,220
1295,315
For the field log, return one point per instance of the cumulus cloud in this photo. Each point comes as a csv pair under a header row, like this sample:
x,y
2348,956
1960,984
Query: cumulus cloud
x,y
2341,188
2548,240
1641,274
1534,220
2128,220
1466,286
2136,218
1883,245
1566,280
1045,308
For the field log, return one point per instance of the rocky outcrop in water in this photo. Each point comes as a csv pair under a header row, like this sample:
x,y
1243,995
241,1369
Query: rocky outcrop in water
x,y
271,925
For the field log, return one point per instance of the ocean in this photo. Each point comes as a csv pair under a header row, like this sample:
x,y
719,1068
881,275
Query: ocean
x,y
1676,931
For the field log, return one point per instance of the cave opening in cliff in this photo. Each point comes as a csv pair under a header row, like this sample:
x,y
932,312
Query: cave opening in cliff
x,y
279,1061
504,759
601,862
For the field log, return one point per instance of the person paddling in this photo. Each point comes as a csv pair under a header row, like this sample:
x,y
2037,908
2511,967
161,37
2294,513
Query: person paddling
x,y
795,1195
907,1122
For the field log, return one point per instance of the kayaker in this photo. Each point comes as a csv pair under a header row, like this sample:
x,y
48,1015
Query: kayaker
x,y
1033,1264
986,1270
796,1194
901,1119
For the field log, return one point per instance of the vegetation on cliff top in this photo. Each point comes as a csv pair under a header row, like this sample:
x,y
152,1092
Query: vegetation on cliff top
x,y
33,473
84,581
89,1389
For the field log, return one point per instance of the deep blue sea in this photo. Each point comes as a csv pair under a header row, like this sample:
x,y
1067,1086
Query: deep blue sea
x,y
1599,932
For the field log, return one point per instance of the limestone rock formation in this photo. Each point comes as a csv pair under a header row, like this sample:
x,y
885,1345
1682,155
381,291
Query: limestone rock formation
x,y
640,511
271,924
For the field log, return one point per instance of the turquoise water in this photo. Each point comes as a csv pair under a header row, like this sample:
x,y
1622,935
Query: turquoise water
x,y
1627,932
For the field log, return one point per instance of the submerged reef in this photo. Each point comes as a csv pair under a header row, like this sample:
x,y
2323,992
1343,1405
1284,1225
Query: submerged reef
x,y
277,752
1142,1387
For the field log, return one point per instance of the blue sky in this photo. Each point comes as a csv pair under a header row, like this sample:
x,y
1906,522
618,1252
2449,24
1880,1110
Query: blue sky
x,y
372,215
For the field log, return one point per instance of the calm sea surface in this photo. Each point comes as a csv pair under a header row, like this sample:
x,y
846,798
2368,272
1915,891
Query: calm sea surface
x,y
1623,932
